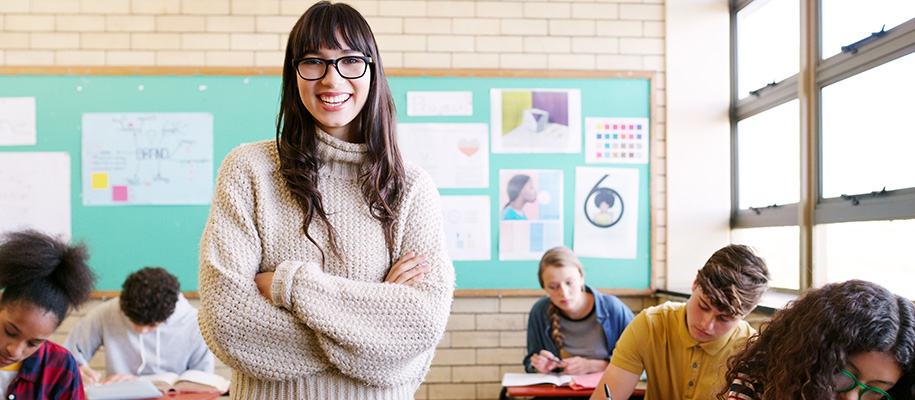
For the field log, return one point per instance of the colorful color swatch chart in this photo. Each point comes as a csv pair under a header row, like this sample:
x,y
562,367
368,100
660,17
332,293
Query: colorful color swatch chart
x,y
616,140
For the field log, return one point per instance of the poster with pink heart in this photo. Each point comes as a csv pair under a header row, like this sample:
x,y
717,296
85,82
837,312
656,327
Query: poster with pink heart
x,y
456,155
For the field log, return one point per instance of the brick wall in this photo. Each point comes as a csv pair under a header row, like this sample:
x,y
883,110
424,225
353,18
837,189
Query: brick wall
x,y
486,335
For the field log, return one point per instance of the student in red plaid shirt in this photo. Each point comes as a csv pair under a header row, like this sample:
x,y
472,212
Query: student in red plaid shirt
x,y
41,277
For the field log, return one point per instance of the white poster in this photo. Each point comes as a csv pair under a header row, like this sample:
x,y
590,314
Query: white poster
x,y
606,212
35,192
435,104
616,140
535,120
530,213
455,155
147,158
467,223
17,121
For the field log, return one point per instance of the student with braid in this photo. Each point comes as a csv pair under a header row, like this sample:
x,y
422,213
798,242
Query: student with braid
x,y
41,277
574,327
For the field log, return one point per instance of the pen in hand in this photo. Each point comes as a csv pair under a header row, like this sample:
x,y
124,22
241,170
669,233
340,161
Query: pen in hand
x,y
607,391
551,358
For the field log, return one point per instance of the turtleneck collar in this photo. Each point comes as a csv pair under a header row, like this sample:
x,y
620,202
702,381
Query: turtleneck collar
x,y
340,157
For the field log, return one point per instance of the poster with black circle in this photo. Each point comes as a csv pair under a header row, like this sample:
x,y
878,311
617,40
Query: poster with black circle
x,y
606,212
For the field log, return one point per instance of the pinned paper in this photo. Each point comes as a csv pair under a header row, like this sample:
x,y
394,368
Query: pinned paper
x,y
99,180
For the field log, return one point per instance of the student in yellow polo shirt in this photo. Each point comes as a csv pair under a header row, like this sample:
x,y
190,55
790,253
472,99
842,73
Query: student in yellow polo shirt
x,y
684,347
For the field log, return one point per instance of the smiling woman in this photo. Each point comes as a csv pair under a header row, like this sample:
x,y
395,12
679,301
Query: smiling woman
x,y
42,277
326,235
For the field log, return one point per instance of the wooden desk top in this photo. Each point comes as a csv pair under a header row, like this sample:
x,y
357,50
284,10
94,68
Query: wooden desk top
x,y
560,391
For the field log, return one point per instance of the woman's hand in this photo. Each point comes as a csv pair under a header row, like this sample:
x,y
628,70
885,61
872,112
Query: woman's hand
x,y
409,270
581,366
264,281
545,362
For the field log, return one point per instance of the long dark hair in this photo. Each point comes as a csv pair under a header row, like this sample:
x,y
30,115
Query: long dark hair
x,y
383,180
799,352
514,187
40,270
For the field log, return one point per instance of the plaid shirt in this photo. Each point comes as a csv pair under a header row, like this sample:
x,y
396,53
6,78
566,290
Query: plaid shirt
x,y
49,373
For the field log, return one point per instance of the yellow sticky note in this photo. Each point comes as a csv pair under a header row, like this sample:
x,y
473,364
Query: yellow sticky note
x,y
100,180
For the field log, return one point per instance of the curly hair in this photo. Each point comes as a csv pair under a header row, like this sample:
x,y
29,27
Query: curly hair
x,y
44,271
559,256
734,279
801,349
149,295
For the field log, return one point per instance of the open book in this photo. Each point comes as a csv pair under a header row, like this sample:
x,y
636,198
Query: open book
x,y
189,381
577,382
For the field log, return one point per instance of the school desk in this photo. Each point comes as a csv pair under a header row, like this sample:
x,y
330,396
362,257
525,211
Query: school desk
x,y
558,391
190,396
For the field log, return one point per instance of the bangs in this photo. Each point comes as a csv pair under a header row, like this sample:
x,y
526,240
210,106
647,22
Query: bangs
x,y
322,28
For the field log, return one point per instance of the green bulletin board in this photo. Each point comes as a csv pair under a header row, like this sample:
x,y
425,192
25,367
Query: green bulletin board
x,y
125,238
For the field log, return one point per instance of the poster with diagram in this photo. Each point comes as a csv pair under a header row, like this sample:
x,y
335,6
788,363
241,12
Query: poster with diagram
x,y
466,225
35,192
147,158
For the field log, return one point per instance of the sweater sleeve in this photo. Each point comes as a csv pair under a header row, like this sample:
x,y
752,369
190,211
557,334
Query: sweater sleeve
x,y
242,327
536,339
85,338
380,333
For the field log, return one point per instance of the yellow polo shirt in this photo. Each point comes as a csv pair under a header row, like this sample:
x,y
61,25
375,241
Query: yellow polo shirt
x,y
678,367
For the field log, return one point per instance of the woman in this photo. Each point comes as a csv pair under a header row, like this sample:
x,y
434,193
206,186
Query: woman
x,y
41,277
849,340
324,271
575,327
520,192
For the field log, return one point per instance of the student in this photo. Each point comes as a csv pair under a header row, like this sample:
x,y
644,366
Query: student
x,y
41,277
150,329
324,270
849,340
574,327
520,192
683,347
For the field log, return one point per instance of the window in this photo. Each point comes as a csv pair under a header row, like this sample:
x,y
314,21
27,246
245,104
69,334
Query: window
x,y
823,180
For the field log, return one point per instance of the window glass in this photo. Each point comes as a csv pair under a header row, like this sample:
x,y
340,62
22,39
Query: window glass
x,y
848,21
878,251
868,133
765,54
779,246
768,157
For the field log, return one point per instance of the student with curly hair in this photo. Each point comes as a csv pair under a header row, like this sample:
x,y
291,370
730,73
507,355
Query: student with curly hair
x,y
324,271
849,340
574,327
42,278
684,347
150,329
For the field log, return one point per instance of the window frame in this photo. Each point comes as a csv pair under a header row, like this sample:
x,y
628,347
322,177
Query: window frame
x,y
806,86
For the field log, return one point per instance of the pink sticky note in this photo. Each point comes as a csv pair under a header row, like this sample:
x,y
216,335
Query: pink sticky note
x,y
118,193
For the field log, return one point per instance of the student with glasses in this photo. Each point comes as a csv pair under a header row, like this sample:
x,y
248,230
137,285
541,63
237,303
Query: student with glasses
x,y
849,340
323,270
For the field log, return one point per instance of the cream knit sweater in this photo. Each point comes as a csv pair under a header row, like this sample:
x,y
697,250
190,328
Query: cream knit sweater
x,y
336,331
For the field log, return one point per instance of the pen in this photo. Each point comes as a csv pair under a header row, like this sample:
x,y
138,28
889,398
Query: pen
x,y
553,359
607,391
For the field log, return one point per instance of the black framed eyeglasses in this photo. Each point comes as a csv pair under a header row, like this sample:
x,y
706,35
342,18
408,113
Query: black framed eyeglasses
x,y
846,381
314,68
